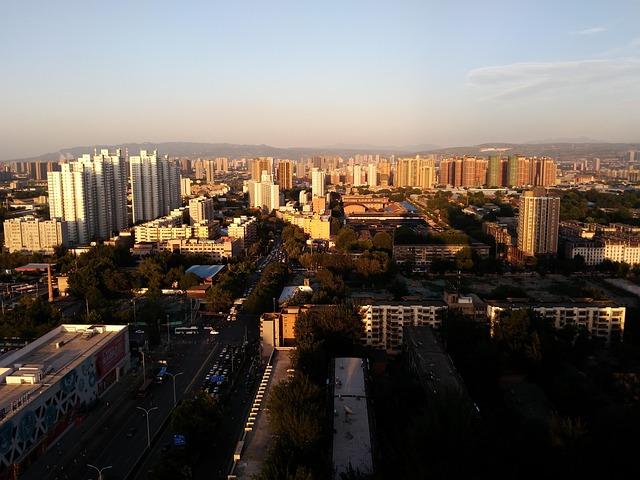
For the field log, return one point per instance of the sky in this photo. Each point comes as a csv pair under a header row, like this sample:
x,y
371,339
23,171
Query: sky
x,y
316,73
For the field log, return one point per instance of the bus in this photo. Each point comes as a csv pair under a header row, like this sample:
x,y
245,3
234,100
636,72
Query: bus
x,y
186,330
144,388
161,374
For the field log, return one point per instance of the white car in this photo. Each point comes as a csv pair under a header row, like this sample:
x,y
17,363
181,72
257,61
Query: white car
x,y
214,332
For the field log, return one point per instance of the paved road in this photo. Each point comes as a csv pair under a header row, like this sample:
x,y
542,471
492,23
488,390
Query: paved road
x,y
102,440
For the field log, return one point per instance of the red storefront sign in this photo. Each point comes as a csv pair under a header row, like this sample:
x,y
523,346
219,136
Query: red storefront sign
x,y
109,356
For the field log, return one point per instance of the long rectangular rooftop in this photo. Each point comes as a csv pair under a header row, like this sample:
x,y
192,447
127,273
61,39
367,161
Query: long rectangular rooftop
x,y
351,431
29,371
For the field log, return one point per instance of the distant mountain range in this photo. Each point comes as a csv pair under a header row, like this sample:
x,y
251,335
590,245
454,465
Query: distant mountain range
x,y
192,149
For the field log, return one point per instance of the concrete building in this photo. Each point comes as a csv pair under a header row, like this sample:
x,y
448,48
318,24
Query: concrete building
x,y
173,226
90,194
201,210
318,227
155,185
285,174
384,322
317,182
352,447
245,230
358,176
538,223
601,319
423,255
44,385
185,187
222,164
372,175
264,194
260,165
218,249
415,172
30,234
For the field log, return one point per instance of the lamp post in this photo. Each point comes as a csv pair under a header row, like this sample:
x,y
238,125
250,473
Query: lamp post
x,y
173,377
134,310
99,470
144,369
146,413
168,333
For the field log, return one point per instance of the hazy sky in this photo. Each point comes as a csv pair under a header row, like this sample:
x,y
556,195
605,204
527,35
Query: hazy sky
x,y
310,73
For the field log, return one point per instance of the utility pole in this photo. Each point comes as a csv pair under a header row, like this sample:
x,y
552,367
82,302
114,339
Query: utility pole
x,y
144,370
168,333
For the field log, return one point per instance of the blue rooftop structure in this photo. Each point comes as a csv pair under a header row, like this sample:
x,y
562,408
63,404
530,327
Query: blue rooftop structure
x,y
205,272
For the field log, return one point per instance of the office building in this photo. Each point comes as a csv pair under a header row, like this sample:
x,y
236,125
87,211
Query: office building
x,y
384,322
201,210
538,223
48,383
30,234
317,182
173,226
285,174
155,186
245,230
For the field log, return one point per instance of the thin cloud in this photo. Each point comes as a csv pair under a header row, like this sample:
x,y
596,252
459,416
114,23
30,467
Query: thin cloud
x,y
590,31
526,79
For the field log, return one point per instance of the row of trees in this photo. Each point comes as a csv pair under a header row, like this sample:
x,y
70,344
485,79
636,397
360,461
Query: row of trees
x,y
268,288
297,407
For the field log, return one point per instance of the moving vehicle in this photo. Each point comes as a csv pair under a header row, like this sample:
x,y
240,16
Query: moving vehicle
x,y
162,373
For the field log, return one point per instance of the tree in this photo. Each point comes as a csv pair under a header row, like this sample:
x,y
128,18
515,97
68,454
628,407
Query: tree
x,y
383,241
345,238
296,410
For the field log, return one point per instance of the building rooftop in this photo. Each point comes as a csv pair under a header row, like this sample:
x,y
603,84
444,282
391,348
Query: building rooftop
x,y
29,371
205,272
351,431
434,366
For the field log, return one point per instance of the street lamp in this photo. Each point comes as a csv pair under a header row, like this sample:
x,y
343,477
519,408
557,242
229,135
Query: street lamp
x,y
173,377
134,310
144,369
99,470
146,413
168,333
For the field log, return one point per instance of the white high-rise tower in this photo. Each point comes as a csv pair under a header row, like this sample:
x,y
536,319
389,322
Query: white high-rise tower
x,y
317,182
155,185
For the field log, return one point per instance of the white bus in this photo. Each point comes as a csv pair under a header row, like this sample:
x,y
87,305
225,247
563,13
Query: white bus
x,y
186,330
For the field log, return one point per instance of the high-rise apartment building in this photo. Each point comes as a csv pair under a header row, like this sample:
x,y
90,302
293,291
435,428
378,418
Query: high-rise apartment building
x,y
495,171
90,194
201,210
415,172
265,193
372,175
155,185
222,164
209,166
244,229
259,165
185,187
317,182
358,177
285,174
538,222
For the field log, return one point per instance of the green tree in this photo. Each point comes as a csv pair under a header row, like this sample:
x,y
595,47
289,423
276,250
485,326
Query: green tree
x,y
383,241
346,238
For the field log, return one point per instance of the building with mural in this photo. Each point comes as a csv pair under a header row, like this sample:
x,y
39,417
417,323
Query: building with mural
x,y
45,384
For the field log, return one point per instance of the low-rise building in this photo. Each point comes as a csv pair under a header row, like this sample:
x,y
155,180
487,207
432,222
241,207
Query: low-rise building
x,y
173,226
44,385
30,234
423,255
244,229
384,322
601,319
318,227
219,249
352,446
470,305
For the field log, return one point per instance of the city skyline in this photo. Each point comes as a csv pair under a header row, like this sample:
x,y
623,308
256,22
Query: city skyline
x,y
387,74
